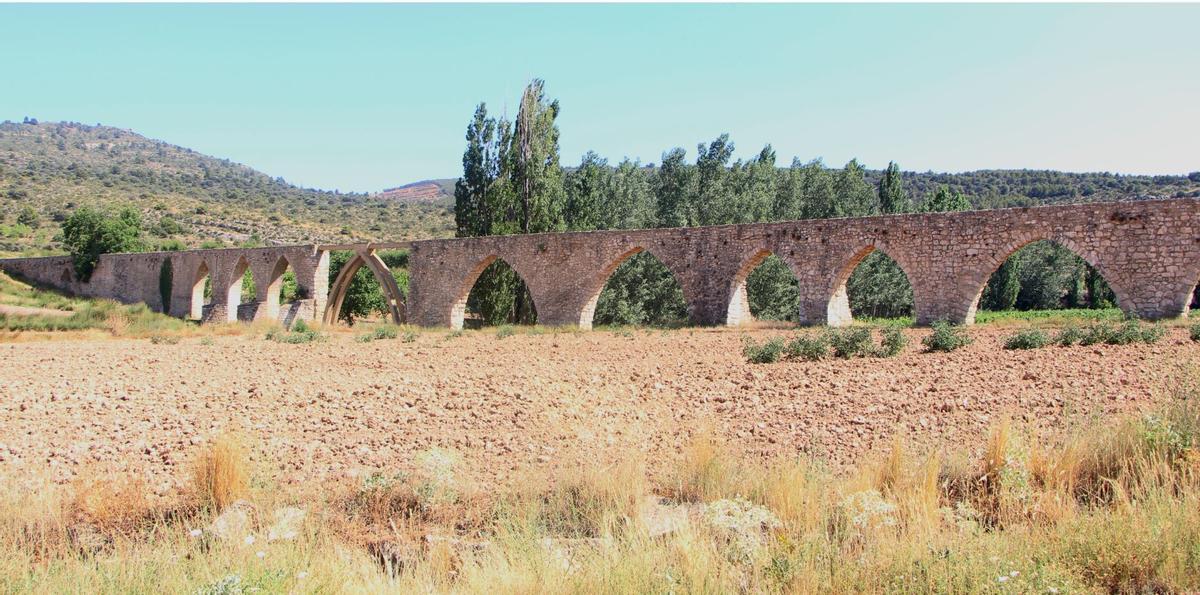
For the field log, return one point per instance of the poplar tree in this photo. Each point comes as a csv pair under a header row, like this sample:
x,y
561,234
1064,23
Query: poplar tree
x,y
892,197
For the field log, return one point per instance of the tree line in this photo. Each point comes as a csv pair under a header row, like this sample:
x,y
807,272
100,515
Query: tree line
x,y
513,182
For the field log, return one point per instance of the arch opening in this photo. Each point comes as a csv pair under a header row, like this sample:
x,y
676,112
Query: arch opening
x,y
65,278
495,294
638,290
281,289
765,288
241,288
1045,275
366,286
201,291
871,285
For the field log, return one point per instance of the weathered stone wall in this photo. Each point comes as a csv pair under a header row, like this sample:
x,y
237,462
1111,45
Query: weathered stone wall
x,y
1148,251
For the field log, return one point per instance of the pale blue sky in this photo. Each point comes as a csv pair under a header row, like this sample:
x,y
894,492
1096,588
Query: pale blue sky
x,y
368,96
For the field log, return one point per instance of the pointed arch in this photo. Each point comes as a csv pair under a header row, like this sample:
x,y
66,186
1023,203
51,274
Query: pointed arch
x,y
741,306
605,275
64,280
838,310
341,285
233,292
458,309
196,311
275,286
979,281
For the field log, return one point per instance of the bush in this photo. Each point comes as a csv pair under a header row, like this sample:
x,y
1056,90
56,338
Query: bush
x,y
1068,336
505,331
808,347
300,333
946,337
892,342
386,331
1027,339
849,342
164,339
767,352
88,233
1195,332
1098,333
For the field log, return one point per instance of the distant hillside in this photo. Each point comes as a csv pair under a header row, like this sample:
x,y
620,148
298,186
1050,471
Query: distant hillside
x,y
184,196
425,191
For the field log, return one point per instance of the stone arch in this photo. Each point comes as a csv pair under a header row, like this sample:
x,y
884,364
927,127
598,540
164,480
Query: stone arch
x,y
166,283
978,280
203,273
387,283
600,280
458,309
739,311
837,304
275,286
233,292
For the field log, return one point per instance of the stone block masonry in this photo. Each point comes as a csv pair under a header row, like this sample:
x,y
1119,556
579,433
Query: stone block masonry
x,y
1148,251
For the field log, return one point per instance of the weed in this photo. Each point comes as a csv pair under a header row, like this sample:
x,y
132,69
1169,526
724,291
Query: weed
x,y
1069,335
850,342
808,346
164,339
1194,332
505,331
1027,339
767,352
946,337
892,341
379,333
221,474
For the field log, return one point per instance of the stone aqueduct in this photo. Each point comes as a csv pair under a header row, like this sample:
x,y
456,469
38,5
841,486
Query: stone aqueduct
x,y
1148,251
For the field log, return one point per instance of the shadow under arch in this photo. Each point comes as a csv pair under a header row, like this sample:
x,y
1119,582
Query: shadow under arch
x,y
837,310
275,286
741,309
196,308
978,282
604,276
341,284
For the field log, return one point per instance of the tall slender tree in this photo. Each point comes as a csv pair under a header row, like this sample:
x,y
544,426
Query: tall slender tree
x,y
536,174
892,197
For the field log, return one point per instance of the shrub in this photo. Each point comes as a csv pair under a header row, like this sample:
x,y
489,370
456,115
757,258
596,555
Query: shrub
x,y
1030,338
505,331
808,347
386,331
1068,336
409,336
164,339
1098,333
1152,333
892,342
767,352
1195,332
946,337
1128,332
300,333
849,342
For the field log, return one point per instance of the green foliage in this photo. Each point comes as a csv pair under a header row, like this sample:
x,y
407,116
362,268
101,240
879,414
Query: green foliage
x,y
892,341
808,346
850,341
1027,339
1002,287
299,333
88,233
164,339
1194,331
500,296
767,352
946,337
878,288
892,197
505,331
364,297
379,333
1068,336
773,291
642,291
945,200
28,217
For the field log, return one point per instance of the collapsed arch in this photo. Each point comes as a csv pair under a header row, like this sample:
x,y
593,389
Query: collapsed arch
x,y
882,289
762,273
199,283
1098,287
341,285
636,288
505,280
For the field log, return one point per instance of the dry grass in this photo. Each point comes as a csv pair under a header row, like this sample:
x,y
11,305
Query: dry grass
x,y
221,472
1110,508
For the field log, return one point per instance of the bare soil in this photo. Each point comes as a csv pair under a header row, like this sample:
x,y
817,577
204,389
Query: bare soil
x,y
533,401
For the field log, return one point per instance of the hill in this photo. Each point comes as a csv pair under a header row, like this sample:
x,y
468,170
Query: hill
x,y
47,169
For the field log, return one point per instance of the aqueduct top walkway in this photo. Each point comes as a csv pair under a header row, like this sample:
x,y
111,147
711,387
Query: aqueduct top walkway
x,y
1148,251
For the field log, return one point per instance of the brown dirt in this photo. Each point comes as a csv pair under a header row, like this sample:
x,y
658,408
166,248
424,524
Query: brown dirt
x,y
10,310
531,401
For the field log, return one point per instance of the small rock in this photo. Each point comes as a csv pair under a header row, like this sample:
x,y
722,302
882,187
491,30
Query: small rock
x,y
234,523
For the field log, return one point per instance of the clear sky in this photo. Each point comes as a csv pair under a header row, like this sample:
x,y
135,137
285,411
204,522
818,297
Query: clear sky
x,y
369,96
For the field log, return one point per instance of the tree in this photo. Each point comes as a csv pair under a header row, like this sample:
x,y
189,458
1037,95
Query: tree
x,y
943,200
587,191
364,296
88,233
28,216
673,190
629,203
712,174
471,214
853,196
536,174
1002,287
892,197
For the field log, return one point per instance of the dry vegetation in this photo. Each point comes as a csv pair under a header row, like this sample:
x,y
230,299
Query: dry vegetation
x,y
1111,508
